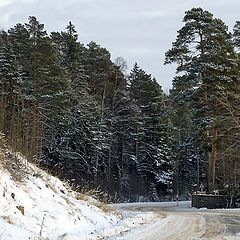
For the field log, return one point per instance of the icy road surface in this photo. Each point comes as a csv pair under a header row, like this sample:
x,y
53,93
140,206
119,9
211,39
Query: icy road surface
x,y
181,222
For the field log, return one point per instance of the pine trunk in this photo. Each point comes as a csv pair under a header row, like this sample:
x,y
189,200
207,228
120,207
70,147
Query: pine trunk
x,y
213,156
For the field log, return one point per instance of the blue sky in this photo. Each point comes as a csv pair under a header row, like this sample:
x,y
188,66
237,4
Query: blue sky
x,y
137,30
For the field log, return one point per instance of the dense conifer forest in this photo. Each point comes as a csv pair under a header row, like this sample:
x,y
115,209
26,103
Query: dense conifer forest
x,y
76,112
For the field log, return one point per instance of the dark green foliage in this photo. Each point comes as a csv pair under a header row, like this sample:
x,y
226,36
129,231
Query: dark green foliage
x,y
9,82
207,69
71,108
74,110
153,150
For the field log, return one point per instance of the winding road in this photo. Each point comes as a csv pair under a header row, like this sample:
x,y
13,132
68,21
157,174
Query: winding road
x,y
181,222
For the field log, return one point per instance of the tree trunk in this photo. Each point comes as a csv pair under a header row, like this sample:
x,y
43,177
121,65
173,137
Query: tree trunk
x,y
213,157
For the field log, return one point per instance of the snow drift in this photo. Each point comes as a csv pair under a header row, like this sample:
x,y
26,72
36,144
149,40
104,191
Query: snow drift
x,y
40,206
36,205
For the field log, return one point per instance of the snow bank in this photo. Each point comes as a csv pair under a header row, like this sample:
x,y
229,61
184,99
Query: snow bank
x,y
42,207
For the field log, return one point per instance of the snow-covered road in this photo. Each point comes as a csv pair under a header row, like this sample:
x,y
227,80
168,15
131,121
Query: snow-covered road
x,y
182,222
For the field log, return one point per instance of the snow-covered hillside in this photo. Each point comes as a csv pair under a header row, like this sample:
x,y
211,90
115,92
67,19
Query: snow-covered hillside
x,y
35,205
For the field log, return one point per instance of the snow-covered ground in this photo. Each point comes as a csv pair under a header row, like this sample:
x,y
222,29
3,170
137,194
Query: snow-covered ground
x,y
40,206
35,205
179,221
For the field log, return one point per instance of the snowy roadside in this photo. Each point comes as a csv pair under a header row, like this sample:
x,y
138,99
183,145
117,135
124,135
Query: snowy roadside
x,y
42,207
173,204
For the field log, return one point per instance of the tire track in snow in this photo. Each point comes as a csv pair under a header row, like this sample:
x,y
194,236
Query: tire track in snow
x,y
181,222
175,227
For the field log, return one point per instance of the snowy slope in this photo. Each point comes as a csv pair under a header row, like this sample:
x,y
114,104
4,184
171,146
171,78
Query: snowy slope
x,y
40,206
41,203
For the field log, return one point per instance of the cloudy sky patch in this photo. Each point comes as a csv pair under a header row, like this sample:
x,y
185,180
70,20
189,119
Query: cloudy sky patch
x,y
137,30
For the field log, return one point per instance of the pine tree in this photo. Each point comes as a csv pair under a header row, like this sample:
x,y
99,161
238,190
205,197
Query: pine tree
x,y
229,105
76,152
43,88
206,59
152,153
9,90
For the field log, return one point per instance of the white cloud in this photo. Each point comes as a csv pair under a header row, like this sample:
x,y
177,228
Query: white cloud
x,y
9,8
4,2
155,14
139,51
